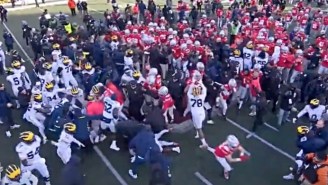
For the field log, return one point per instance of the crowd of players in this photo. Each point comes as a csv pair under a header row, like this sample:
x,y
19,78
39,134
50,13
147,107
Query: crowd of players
x,y
103,76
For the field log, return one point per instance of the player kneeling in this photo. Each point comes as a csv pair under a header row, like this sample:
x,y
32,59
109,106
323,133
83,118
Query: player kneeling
x,y
14,176
223,153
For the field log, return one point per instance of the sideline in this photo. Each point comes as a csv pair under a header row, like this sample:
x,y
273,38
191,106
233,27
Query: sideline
x,y
202,178
110,166
261,139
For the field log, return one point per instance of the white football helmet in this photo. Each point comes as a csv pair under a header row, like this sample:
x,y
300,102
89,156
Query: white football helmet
x,y
232,83
163,91
299,52
232,141
200,66
153,72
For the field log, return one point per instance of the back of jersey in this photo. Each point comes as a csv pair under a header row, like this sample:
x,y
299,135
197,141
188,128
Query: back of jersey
x,y
109,107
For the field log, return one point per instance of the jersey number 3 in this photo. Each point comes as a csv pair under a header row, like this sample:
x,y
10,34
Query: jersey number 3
x,y
196,103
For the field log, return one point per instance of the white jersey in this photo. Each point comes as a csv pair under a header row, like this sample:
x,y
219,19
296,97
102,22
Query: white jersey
x,y
29,152
314,114
15,80
56,55
32,108
24,76
27,178
196,103
46,77
52,98
248,54
110,105
67,69
66,139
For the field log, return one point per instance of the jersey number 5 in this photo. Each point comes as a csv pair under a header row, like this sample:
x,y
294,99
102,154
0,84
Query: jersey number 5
x,y
196,103
16,81
31,154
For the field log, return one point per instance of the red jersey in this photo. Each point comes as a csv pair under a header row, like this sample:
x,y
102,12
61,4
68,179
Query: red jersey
x,y
224,150
245,79
321,42
325,20
315,25
176,52
324,59
168,102
298,66
226,92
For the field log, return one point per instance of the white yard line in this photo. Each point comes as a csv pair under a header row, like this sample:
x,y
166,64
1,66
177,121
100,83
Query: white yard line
x,y
110,166
19,45
250,134
202,178
271,127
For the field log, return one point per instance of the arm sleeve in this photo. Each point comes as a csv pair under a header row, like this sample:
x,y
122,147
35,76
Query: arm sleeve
x,y
302,112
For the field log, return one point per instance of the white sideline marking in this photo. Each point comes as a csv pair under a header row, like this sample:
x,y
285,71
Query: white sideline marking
x,y
271,127
261,139
19,45
110,166
202,178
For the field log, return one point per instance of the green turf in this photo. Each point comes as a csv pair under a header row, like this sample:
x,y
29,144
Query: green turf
x,y
266,166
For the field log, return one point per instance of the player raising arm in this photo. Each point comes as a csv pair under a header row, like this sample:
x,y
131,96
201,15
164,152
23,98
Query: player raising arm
x,y
14,176
223,153
196,97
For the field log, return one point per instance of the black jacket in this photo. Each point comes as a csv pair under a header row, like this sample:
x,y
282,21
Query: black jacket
x,y
4,99
71,173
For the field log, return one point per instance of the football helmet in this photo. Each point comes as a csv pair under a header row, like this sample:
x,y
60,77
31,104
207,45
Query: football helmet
x,y
232,141
163,91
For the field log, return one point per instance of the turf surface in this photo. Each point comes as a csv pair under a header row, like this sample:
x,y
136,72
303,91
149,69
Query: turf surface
x,y
266,166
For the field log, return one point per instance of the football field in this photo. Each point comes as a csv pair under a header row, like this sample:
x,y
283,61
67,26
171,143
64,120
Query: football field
x,y
272,150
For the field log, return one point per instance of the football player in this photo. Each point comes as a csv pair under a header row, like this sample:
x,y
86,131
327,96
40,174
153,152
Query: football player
x,y
77,94
168,103
65,71
14,176
111,113
34,114
56,53
66,138
223,153
20,70
314,110
226,92
51,94
16,81
196,97
45,74
29,154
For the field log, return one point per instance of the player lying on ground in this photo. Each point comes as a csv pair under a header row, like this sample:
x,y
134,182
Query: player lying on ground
x,y
223,153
